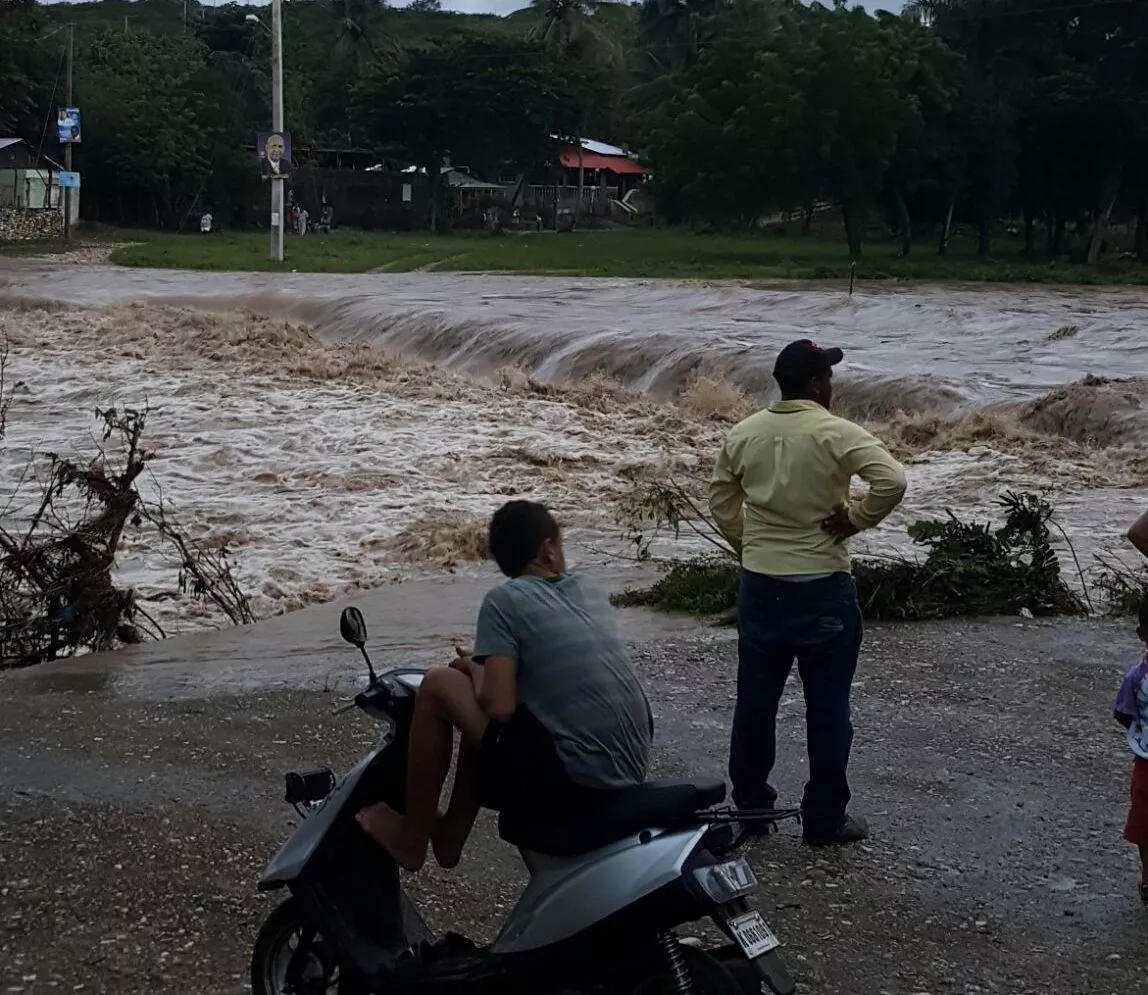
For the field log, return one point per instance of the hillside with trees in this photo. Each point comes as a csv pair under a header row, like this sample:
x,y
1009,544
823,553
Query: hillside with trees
x,y
1029,113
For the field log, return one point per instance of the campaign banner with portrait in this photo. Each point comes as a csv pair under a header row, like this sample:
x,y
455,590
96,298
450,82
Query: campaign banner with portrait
x,y
274,151
68,125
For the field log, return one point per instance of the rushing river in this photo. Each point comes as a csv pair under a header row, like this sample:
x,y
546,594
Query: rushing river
x,y
338,432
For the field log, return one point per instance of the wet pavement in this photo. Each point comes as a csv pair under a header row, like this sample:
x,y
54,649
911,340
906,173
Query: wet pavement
x,y
412,623
135,821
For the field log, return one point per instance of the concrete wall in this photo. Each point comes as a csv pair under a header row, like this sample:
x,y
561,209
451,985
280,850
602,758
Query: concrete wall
x,y
18,225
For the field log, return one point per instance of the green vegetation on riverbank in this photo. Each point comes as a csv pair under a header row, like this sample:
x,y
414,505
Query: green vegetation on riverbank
x,y
969,568
635,253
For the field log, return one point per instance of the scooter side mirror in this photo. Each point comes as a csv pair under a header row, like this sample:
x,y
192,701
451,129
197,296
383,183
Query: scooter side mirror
x,y
353,627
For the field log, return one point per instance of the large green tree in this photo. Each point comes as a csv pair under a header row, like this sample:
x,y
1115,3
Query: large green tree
x,y
28,61
157,124
783,105
483,102
856,103
920,170
722,137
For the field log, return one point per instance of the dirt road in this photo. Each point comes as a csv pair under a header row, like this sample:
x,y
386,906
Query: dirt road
x,y
133,826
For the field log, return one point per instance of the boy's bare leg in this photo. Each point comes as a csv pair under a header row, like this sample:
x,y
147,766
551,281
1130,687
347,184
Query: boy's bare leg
x,y
453,828
445,702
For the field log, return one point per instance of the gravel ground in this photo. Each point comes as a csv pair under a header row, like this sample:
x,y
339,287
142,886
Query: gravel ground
x,y
132,830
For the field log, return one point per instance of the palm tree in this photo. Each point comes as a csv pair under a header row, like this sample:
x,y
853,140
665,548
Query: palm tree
x,y
353,22
568,28
669,30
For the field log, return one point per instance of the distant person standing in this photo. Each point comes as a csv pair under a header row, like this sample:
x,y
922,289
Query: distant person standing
x,y
304,220
1138,534
780,495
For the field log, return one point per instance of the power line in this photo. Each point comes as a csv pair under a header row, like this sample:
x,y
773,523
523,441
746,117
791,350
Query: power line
x,y
51,104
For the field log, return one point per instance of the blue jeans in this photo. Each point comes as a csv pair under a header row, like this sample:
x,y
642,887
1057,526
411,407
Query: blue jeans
x,y
818,623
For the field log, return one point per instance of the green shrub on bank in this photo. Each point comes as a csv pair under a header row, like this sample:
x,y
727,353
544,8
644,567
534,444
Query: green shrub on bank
x,y
968,569
1123,590
705,585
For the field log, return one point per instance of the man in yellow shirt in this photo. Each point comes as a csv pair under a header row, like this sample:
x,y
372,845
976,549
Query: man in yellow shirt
x,y
780,495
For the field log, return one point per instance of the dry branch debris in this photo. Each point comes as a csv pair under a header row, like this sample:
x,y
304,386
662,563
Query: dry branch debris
x,y
58,549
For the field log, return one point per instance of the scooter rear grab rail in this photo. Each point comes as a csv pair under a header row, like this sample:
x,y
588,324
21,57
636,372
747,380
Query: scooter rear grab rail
x,y
749,821
727,814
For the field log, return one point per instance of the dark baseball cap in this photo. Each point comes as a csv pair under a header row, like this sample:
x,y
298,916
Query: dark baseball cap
x,y
803,360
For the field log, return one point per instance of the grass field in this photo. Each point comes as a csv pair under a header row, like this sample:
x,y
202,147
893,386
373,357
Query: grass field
x,y
635,253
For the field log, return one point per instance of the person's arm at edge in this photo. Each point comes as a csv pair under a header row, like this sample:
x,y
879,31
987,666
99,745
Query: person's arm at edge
x,y
1138,534
1124,711
496,649
862,454
727,499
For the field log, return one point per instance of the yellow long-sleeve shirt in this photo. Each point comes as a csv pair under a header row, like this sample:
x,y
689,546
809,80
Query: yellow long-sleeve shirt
x,y
782,471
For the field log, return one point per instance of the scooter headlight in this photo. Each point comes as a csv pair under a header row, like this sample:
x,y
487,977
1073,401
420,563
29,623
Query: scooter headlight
x,y
728,880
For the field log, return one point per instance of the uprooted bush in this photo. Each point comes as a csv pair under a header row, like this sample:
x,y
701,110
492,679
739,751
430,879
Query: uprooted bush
x,y
1123,588
59,538
969,568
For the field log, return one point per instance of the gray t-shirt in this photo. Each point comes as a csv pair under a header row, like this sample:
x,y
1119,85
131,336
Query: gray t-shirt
x,y
573,674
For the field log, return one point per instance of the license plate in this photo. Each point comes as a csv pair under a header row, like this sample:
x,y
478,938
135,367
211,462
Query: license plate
x,y
753,935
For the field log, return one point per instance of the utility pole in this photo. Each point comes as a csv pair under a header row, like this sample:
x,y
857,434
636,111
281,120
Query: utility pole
x,y
68,146
278,221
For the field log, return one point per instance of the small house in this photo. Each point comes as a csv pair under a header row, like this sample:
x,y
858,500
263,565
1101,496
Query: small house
x,y
28,178
31,200
603,166
609,175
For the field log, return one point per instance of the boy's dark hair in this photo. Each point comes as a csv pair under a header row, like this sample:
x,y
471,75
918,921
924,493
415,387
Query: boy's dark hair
x,y
1144,614
517,531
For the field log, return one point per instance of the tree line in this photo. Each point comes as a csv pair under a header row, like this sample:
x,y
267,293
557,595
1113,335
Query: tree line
x,y
970,112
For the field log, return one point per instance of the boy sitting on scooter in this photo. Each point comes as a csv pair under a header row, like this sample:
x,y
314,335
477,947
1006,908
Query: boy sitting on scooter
x,y
549,710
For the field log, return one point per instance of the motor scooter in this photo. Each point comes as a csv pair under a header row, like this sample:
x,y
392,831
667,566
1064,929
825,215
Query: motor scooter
x,y
609,888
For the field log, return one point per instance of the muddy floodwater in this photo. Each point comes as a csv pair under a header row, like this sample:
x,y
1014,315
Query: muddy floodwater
x,y
340,433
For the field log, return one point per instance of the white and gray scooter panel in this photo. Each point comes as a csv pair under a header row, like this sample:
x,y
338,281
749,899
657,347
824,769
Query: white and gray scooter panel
x,y
567,895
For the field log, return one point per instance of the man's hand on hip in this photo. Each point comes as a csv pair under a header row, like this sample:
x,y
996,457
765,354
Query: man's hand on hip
x,y
839,525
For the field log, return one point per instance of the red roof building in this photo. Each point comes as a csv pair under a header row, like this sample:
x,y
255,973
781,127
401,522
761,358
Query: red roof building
x,y
619,165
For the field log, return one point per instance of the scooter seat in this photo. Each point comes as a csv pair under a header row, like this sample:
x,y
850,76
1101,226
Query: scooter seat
x,y
619,814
